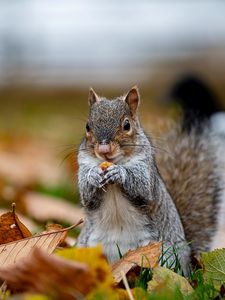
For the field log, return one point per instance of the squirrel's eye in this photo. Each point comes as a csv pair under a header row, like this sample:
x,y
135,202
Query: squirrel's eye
x,y
87,127
126,125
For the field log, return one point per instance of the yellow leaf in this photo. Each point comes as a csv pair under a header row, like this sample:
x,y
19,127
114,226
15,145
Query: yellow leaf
x,y
166,279
146,256
13,252
95,259
99,270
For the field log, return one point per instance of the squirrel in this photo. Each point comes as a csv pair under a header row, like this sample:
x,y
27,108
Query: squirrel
x,y
143,197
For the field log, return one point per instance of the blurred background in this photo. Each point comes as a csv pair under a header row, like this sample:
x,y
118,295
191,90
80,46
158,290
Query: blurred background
x,y
51,52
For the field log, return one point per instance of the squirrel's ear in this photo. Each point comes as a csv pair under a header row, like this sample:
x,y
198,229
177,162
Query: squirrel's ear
x,y
92,97
133,99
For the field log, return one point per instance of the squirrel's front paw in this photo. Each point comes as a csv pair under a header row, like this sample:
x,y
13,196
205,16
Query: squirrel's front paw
x,y
115,174
95,176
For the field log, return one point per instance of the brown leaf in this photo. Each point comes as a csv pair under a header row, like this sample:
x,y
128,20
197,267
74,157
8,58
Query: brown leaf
x,y
33,227
54,208
11,253
146,256
11,229
27,160
56,227
53,227
50,275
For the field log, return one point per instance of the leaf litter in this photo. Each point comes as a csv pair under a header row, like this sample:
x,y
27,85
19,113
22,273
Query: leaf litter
x,y
28,265
13,251
146,257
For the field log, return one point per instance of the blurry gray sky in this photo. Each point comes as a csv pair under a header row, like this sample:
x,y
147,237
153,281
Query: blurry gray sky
x,y
84,42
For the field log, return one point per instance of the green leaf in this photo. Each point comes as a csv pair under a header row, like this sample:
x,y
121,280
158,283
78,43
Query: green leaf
x,y
214,267
166,279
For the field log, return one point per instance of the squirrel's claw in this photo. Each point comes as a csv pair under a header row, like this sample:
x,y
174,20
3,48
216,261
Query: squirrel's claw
x,y
95,176
114,174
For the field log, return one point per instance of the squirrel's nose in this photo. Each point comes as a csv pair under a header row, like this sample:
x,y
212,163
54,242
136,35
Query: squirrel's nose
x,y
104,148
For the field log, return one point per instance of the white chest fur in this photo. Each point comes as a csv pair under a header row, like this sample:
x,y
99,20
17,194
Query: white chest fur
x,y
117,222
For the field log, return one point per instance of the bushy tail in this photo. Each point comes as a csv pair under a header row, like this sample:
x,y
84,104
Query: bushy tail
x,y
196,99
192,175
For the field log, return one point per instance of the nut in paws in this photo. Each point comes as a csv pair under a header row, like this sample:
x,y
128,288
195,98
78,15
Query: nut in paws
x,y
115,174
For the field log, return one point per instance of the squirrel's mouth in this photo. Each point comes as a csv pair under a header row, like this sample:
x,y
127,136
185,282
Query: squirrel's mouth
x,y
110,159
110,156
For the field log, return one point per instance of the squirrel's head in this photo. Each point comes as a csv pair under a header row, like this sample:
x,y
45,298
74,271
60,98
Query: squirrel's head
x,y
111,129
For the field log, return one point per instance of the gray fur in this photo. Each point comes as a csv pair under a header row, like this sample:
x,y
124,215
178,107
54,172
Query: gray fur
x,y
193,173
103,118
128,205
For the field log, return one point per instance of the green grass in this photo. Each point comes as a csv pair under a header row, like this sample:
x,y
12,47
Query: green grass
x,y
202,289
144,278
170,260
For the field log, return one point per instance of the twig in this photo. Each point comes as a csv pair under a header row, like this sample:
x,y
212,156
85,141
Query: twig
x,y
3,289
126,285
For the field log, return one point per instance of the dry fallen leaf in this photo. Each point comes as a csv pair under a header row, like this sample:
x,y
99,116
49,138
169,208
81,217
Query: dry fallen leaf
x,y
52,227
33,227
11,229
27,160
56,227
77,273
12,252
50,275
146,256
54,208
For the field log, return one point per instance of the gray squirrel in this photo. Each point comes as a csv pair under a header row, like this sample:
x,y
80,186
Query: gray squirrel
x,y
144,197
